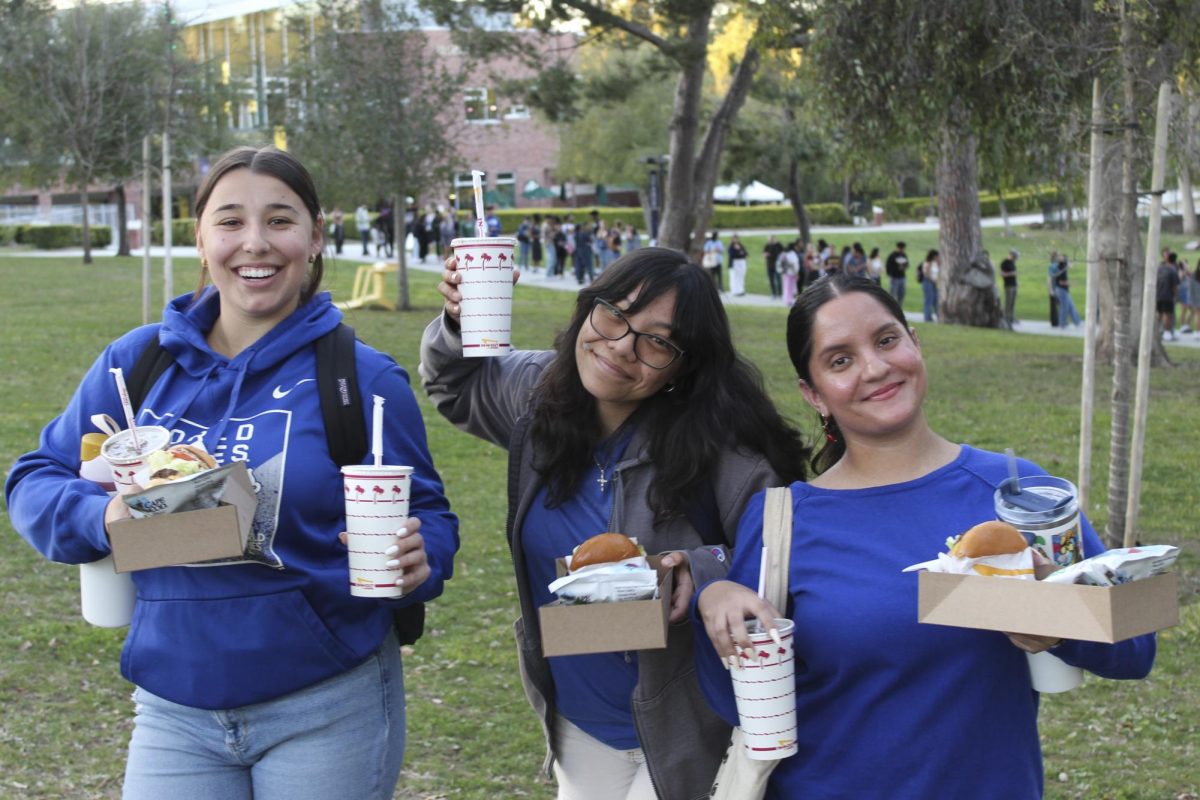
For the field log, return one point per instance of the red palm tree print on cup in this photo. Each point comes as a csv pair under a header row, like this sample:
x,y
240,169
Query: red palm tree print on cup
x,y
503,259
377,490
486,258
468,259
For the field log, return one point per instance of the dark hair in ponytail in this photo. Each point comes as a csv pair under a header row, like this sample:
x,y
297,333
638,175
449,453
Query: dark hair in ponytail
x,y
799,343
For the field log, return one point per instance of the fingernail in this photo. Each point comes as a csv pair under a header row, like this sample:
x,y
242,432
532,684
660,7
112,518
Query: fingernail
x,y
751,656
393,563
775,636
733,662
725,664
391,551
402,530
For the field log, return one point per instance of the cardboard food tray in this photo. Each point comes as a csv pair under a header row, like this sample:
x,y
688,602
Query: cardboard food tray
x,y
569,630
1070,611
189,537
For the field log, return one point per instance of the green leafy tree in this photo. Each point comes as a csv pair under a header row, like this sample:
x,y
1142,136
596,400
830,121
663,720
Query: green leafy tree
x,y
682,32
367,117
950,75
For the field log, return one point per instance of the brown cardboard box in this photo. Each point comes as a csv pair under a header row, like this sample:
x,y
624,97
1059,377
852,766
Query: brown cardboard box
x,y
188,537
569,630
1091,613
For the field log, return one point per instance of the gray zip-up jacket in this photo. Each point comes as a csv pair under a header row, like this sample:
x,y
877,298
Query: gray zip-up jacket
x,y
492,398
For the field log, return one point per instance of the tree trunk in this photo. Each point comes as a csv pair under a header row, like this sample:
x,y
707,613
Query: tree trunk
x,y
1008,229
400,235
122,231
793,193
85,231
1187,158
709,158
1107,210
675,228
967,284
1123,349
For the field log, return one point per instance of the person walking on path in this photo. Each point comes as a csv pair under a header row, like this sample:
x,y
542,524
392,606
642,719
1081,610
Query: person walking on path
x,y
1062,292
897,271
642,409
339,230
1165,294
737,267
362,220
584,255
790,270
927,275
711,258
771,253
1008,272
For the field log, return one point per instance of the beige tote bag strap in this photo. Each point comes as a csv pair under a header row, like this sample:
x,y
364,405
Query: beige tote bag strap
x,y
777,538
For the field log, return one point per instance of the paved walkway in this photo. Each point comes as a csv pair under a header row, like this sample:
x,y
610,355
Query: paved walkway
x,y
352,254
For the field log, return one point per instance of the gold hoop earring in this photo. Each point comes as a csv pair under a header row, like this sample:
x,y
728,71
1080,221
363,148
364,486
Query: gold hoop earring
x,y
204,264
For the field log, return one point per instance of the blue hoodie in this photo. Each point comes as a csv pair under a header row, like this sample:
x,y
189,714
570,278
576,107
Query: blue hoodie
x,y
281,617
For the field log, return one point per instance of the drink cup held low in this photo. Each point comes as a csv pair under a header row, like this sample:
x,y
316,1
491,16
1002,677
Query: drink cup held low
x,y
1050,674
766,693
376,507
486,267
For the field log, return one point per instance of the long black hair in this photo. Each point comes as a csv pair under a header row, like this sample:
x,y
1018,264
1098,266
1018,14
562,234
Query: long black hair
x,y
718,399
800,337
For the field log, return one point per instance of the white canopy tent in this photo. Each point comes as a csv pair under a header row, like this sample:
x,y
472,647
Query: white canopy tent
x,y
754,192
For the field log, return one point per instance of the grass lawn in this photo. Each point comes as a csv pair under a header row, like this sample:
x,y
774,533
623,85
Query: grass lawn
x,y
471,735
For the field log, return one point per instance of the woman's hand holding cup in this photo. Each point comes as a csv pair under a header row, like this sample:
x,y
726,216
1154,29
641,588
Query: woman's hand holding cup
x,y
408,553
724,607
448,287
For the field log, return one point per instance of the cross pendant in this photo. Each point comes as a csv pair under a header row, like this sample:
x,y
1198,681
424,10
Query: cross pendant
x,y
602,481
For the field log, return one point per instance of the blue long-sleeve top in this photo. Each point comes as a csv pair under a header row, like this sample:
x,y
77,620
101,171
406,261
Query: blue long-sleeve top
x,y
887,707
281,617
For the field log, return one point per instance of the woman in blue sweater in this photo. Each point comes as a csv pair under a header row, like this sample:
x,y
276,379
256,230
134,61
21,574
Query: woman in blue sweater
x,y
260,677
887,708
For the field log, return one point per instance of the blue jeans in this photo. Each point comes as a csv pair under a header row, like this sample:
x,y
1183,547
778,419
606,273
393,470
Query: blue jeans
x,y
931,298
343,737
523,254
1066,307
897,289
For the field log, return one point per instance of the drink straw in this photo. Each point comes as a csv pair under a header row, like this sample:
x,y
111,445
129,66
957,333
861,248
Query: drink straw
x,y
119,376
762,574
377,430
1014,479
477,184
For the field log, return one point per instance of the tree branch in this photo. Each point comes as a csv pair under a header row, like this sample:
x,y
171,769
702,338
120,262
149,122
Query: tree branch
x,y
602,16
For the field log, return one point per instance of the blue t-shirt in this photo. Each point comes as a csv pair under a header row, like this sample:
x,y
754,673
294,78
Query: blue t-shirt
x,y
594,690
887,707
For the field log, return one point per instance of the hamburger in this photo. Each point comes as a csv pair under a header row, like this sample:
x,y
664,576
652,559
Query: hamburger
x,y
176,462
604,548
991,538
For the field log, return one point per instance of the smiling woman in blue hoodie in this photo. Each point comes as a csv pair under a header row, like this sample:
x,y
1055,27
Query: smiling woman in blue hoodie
x,y
260,677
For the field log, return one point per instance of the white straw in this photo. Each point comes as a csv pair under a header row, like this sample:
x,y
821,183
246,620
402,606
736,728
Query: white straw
x,y
477,183
119,375
762,575
377,430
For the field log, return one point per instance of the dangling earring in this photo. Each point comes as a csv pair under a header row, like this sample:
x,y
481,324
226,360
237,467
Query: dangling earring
x,y
827,425
204,264
312,259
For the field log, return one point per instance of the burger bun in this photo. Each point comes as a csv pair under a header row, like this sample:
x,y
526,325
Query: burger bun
x,y
604,548
991,538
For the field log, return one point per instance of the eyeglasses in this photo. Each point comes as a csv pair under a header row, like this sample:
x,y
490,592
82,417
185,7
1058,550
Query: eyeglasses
x,y
651,349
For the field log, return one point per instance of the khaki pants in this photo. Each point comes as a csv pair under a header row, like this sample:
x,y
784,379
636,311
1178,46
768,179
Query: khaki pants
x,y
588,769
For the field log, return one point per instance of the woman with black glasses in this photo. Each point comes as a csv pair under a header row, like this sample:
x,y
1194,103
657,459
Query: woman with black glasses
x,y
644,420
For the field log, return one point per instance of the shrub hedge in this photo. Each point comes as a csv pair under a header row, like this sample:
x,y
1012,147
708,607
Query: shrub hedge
x,y
52,237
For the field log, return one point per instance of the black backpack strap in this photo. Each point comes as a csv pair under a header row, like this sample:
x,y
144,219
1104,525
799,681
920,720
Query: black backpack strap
x,y
346,435
341,402
700,508
150,366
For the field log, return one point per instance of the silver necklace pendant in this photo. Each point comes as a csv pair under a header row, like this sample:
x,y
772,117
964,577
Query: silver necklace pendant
x,y
603,481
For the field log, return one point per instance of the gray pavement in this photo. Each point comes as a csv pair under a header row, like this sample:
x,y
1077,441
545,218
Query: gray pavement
x,y
352,254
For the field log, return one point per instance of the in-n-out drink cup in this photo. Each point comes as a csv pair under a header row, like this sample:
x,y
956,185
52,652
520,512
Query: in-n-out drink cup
x,y
766,693
376,507
1053,531
126,460
486,267
106,597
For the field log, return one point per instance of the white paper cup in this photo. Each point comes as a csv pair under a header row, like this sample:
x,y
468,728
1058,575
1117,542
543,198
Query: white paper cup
x,y
106,596
486,267
126,460
1050,674
766,694
376,507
